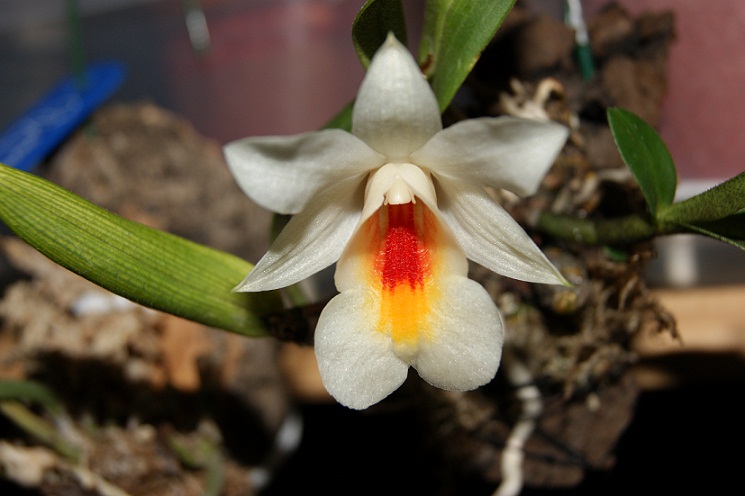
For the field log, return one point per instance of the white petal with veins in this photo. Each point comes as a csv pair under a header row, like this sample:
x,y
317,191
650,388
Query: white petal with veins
x,y
502,152
490,236
282,173
311,241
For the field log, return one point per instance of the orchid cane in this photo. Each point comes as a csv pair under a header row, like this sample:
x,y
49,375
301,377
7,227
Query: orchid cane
x,y
400,204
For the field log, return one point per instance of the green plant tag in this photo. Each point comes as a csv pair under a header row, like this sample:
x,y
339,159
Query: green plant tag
x,y
153,268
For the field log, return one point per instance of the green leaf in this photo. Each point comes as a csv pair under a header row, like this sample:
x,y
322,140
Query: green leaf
x,y
719,202
156,269
373,23
342,120
646,155
41,429
455,33
732,226
29,391
730,229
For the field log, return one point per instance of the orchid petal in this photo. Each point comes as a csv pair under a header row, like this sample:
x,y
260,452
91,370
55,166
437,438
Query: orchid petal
x,y
396,111
356,363
282,173
465,351
503,152
311,241
490,236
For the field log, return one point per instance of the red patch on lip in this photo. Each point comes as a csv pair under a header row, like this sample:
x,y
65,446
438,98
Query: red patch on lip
x,y
403,256
397,251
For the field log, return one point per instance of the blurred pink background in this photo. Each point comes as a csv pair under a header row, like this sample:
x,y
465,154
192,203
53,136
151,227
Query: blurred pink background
x,y
703,118
274,68
287,66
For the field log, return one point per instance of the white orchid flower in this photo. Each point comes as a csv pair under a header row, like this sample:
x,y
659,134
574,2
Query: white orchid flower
x,y
400,203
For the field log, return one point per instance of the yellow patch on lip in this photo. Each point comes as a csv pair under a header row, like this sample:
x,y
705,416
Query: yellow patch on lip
x,y
404,316
402,244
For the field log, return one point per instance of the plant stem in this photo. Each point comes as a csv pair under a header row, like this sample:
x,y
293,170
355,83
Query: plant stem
x,y
617,231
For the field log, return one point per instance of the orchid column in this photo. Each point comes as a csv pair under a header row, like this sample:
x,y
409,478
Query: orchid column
x,y
400,204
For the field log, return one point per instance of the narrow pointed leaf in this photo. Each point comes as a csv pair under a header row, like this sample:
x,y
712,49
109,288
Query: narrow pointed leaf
x,y
719,202
373,23
729,230
29,391
644,152
156,269
455,33
41,429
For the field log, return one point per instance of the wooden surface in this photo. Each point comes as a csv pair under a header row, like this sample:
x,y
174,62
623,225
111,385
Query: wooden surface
x,y
711,326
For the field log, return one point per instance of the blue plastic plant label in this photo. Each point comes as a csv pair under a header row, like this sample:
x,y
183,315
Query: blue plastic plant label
x,y
31,137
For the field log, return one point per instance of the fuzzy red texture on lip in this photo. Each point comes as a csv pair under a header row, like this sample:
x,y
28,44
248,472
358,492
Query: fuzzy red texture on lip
x,y
403,257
